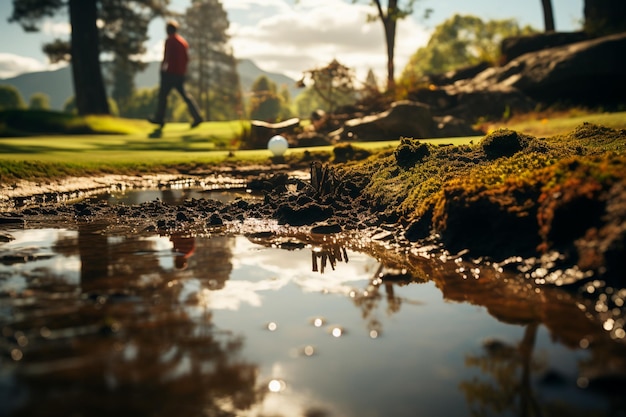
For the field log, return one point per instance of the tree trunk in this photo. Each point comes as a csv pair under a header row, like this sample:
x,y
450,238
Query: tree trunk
x,y
390,38
389,23
89,89
548,15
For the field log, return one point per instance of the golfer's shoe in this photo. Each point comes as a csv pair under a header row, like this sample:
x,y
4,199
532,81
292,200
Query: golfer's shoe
x,y
196,123
156,122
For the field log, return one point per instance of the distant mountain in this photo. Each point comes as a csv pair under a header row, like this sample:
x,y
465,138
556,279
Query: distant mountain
x,y
58,86
249,72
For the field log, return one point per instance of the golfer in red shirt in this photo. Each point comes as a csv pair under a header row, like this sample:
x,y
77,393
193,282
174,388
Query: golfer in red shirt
x,y
173,72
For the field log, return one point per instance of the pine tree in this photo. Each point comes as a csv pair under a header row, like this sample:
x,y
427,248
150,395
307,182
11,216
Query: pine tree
x,y
213,76
265,103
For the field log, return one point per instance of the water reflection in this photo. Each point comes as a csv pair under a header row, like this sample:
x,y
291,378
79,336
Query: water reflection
x,y
175,195
100,324
183,246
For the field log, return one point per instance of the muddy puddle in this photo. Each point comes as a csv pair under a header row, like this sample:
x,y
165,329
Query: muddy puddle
x,y
95,323
172,195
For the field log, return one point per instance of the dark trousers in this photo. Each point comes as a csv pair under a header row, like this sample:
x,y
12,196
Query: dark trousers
x,y
174,81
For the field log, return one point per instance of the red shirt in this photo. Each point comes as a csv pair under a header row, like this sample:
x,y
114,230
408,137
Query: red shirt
x,y
175,57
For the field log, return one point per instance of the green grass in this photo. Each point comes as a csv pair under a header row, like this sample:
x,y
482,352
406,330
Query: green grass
x,y
132,146
546,125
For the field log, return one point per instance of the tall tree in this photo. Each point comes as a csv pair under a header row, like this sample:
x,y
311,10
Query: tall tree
x,y
89,89
389,17
88,41
123,33
548,15
214,79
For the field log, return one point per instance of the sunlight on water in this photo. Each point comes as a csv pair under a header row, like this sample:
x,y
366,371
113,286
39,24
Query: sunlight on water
x,y
224,325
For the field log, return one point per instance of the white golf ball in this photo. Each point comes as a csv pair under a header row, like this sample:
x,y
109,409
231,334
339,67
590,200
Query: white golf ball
x,y
277,145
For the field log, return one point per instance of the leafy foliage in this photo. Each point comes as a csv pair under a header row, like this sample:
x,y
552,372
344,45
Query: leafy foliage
x,y
333,84
266,103
10,98
460,41
39,101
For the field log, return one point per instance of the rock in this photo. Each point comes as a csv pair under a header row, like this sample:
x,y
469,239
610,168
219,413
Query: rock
x,y
515,46
587,73
261,131
464,73
215,220
403,119
308,214
326,228
312,138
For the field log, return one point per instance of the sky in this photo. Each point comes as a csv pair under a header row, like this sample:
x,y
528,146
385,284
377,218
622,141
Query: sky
x,y
290,37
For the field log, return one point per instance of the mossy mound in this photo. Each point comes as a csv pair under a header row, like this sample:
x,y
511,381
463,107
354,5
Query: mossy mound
x,y
410,152
512,195
504,142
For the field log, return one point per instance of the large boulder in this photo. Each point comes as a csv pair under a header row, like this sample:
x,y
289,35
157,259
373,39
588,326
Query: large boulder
x,y
590,72
403,119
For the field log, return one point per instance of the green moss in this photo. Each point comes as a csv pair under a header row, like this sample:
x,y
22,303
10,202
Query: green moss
x,y
498,187
504,142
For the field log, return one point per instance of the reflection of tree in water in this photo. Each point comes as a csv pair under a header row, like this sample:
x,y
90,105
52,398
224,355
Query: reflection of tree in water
x,y
327,255
126,346
510,392
369,299
212,261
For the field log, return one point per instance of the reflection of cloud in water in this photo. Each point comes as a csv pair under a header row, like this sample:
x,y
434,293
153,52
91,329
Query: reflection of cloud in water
x,y
44,261
231,296
257,268
41,238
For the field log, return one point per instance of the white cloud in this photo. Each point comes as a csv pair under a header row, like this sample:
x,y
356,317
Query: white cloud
x,y
56,29
294,39
12,65
288,38
253,4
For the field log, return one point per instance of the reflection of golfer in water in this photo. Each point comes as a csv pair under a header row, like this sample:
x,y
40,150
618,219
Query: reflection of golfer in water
x,y
184,247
